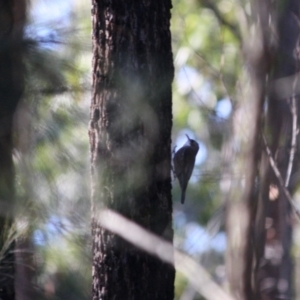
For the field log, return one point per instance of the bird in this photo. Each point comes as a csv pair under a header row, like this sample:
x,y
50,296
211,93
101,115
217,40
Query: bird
x,y
184,162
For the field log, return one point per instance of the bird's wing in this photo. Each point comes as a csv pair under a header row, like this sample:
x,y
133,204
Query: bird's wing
x,y
184,165
179,161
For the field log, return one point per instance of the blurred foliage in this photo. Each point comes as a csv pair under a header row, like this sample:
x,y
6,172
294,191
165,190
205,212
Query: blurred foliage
x,y
52,155
208,63
52,151
206,43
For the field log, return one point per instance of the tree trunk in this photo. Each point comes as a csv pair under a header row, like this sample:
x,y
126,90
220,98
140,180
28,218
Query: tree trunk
x,y
12,20
247,127
130,129
260,244
274,262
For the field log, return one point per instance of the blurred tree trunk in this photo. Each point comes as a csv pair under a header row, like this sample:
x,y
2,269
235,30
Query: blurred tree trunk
x,y
12,20
260,220
274,270
130,142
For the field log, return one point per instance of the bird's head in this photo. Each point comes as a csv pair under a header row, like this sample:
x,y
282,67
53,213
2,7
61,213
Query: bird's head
x,y
192,143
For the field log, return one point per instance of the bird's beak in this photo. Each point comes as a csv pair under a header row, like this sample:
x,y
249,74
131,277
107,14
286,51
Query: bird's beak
x,y
188,137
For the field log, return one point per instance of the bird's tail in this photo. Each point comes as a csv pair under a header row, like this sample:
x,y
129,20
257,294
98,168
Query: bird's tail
x,y
182,196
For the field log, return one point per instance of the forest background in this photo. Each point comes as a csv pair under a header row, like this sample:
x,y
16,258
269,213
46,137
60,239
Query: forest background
x,y
52,156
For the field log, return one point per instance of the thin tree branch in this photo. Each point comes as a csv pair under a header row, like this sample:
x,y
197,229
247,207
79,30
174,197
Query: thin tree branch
x,y
216,73
202,103
165,251
294,113
279,177
293,142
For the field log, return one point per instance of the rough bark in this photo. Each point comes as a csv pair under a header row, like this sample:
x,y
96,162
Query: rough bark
x,y
130,129
12,20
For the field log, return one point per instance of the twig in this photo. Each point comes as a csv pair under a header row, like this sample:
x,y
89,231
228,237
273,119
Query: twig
x,y
204,106
293,142
156,246
279,177
216,73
